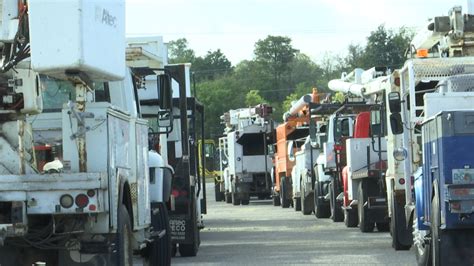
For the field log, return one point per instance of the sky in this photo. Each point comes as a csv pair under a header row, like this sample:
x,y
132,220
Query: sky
x,y
316,27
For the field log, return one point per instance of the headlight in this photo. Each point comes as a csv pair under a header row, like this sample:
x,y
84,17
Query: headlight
x,y
400,154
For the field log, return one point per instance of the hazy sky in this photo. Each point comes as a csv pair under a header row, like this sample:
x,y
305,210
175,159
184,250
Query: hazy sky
x,y
315,26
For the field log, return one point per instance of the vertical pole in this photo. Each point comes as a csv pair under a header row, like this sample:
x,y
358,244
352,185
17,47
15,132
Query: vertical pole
x,y
267,186
81,91
21,149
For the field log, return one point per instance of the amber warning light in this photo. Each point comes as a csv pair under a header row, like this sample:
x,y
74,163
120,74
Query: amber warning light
x,y
421,53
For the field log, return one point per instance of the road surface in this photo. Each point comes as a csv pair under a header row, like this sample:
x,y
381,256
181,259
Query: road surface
x,y
261,234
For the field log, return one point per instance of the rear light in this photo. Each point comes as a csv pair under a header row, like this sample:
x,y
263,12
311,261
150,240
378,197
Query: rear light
x,y
455,206
66,201
338,147
401,181
92,207
175,193
91,193
82,200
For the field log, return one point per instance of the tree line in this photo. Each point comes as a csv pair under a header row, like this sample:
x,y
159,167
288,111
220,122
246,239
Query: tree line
x,y
279,73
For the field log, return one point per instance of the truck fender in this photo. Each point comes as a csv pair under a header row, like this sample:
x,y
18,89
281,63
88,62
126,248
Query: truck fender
x,y
124,197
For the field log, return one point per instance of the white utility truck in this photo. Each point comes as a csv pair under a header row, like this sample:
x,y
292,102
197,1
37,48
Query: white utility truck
x,y
248,132
65,89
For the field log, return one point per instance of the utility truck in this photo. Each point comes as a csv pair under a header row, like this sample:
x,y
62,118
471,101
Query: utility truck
x,y
248,130
179,132
69,86
209,165
375,85
285,191
329,193
433,112
365,197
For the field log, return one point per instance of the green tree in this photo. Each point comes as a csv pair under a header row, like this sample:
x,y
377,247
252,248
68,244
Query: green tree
x,y
253,98
179,52
213,64
289,100
339,97
386,47
275,53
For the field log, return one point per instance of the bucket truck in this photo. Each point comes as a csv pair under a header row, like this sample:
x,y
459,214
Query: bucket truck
x,y
365,196
248,130
178,141
294,128
375,86
434,111
66,84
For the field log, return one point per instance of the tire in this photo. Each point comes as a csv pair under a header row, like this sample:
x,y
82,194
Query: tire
x,y
124,238
422,250
218,193
383,227
159,251
245,202
397,225
336,211
228,197
350,218
174,250
297,204
284,200
235,199
435,234
365,225
191,250
276,200
321,210
307,203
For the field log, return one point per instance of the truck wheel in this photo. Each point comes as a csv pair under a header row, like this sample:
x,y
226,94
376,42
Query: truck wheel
x,y
435,234
191,250
285,201
124,237
350,218
159,251
321,210
276,200
336,211
365,225
174,249
422,249
245,199
307,206
218,194
383,227
235,199
228,197
398,226
297,204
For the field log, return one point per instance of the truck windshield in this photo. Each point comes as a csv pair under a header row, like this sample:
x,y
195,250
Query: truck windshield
x,y
342,128
57,92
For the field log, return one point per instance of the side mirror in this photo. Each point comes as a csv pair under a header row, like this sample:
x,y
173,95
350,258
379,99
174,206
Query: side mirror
x,y
165,119
291,152
375,122
394,102
165,100
165,92
396,124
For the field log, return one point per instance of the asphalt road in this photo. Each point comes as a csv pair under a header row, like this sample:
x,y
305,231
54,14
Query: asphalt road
x,y
261,234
